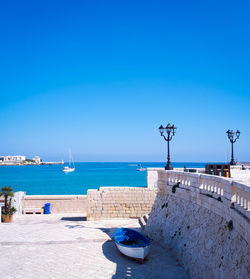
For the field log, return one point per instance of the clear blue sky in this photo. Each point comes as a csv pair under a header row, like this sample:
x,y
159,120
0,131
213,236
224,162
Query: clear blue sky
x,y
99,77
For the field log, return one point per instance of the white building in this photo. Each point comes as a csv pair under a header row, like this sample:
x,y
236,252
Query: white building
x,y
12,159
37,159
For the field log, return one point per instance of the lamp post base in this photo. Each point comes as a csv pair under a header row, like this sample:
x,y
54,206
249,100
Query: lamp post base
x,y
232,163
168,166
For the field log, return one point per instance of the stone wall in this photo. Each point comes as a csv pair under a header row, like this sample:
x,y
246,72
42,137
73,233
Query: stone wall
x,y
204,220
59,203
119,202
239,174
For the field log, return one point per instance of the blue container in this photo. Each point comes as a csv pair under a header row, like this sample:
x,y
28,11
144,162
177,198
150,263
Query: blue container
x,y
47,208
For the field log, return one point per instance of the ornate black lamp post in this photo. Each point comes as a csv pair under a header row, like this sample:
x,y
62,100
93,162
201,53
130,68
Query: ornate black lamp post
x,y
233,137
170,132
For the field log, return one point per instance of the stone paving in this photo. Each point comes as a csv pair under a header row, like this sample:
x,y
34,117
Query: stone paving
x,y
67,246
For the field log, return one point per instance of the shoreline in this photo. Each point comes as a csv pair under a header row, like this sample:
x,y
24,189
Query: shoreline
x,y
31,164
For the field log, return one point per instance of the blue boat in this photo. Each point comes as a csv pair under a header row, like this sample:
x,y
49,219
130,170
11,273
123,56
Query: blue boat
x,y
132,243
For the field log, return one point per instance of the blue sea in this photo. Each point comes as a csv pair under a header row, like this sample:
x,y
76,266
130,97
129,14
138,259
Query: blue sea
x,y
50,180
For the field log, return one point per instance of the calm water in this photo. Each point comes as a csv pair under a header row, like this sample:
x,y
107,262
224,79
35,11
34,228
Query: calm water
x,y
50,180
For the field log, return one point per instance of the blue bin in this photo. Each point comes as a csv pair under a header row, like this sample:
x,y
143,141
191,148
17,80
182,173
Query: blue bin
x,y
47,208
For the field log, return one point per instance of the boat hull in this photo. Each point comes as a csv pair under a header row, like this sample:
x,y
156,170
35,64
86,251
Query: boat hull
x,y
68,170
132,243
138,253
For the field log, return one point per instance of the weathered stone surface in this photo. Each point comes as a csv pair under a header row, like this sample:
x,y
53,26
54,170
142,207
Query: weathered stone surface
x,y
199,237
59,203
119,202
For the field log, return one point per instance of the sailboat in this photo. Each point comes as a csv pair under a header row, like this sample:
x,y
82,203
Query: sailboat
x,y
71,166
140,168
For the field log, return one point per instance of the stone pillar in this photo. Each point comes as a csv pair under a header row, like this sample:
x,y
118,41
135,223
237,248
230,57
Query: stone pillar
x,y
155,177
17,202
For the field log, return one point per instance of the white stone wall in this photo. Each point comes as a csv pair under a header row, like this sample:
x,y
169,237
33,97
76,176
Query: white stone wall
x,y
193,222
17,202
153,177
16,158
59,203
119,202
239,174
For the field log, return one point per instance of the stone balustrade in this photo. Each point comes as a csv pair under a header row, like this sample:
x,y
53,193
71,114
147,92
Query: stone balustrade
x,y
232,193
204,219
241,174
241,197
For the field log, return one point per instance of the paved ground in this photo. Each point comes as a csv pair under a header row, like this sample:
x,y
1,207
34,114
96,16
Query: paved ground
x,y
63,246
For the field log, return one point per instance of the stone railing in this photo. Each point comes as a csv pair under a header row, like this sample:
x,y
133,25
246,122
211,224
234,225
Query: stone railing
x,y
241,197
241,174
204,219
223,196
237,193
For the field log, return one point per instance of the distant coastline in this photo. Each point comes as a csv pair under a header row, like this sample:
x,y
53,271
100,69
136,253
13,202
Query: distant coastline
x,y
28,163
21,160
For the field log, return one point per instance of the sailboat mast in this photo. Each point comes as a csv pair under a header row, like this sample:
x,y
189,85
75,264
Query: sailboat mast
x,y
71,159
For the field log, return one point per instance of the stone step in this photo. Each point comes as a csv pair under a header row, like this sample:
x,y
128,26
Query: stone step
x,y
143,220
145,217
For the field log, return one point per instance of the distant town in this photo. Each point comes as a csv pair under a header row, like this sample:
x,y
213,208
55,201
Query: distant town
x,y
17,160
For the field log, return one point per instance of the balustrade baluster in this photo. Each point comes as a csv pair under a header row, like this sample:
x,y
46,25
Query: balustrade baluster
x,y
241,198
200,183
208,186
216,187
237,197
233,198
245,200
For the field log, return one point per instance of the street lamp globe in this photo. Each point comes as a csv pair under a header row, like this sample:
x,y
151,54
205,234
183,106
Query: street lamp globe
x,y
237,134
161,130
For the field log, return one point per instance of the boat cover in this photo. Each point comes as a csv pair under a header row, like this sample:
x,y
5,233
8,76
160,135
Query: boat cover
x,y
131,238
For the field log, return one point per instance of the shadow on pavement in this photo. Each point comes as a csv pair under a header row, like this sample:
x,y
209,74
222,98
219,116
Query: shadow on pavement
x,y
124,266
74,219
159,264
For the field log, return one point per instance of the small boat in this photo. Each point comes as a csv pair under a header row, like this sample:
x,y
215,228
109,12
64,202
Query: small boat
x,y
69,168
140,168
132,243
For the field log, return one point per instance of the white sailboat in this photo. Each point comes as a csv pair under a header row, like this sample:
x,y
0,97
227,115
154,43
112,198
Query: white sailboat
x,y
71,166
141,168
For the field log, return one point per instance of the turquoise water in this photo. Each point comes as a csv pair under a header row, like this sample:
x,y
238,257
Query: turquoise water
x,y
50,180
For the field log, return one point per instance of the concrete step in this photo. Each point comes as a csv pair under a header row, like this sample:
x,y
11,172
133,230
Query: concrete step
x,y
143,221
145,217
